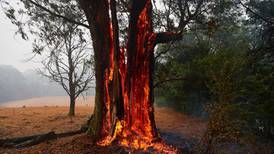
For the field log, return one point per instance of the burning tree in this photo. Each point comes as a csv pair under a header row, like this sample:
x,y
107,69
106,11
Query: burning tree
x,y
124,85
124,98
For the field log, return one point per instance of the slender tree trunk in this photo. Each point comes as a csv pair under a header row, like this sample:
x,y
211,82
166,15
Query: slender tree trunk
x,y
71,85
72,106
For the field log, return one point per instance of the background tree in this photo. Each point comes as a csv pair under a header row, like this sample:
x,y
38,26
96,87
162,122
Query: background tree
x,y
223,33
68,62
66,58
259,92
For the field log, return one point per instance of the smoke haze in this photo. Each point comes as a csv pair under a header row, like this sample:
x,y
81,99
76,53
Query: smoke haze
x,y
16,85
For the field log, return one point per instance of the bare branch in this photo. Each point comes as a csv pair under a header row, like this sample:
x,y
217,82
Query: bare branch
x,y
256,14
58,15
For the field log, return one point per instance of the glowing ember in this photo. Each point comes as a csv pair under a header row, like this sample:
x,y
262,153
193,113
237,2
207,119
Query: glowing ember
x,y
133,141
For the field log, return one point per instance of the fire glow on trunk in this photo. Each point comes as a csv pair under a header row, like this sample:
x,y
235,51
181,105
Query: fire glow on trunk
x,y
137,127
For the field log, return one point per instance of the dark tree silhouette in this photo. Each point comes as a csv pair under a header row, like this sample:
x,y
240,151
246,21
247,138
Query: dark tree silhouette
x,y
68,61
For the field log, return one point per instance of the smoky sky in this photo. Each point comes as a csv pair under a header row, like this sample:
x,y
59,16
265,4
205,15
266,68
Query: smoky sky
x,y
13,49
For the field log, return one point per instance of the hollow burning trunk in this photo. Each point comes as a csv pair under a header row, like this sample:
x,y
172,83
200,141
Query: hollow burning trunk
x,y
124,88
138,90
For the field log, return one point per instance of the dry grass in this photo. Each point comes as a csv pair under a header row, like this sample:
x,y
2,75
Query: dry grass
x,y
33,120
20,121
49,101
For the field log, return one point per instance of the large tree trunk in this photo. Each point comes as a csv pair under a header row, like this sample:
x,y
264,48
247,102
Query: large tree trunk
x,y
138,100
124,85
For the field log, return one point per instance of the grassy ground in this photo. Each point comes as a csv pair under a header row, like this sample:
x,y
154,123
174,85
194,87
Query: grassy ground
x,y
22,118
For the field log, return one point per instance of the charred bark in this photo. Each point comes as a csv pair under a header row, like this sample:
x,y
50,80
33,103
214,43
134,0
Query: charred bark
x,y
139,81
98,18
117,105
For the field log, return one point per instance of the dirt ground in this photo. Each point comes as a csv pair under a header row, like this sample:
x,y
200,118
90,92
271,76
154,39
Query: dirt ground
x,y
21,121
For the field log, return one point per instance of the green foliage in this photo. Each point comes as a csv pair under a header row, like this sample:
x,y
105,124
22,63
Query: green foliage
x,y
224,72
31,17
225,76
186,91
260,93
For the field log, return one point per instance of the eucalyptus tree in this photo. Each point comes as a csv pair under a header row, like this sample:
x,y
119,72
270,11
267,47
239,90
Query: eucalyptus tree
x,y
123,69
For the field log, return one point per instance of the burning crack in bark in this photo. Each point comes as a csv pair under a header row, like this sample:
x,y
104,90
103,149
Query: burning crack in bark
x,y
136,130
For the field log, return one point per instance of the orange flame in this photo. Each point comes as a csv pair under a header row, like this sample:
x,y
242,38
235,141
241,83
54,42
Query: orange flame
x,y
137,129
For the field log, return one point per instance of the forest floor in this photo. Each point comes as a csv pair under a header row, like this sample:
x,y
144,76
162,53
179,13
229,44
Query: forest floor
x,y
22,118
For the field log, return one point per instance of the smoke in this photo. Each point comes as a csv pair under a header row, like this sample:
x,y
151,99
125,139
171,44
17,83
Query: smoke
x,y
16,85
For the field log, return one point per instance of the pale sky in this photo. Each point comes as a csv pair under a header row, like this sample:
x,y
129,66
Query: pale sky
x,y
13,49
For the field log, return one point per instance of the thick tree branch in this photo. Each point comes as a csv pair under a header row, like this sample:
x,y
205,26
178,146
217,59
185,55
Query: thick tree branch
x,y
166,37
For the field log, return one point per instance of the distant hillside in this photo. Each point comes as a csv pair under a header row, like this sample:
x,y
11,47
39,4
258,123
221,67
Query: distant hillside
x,y
15,85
